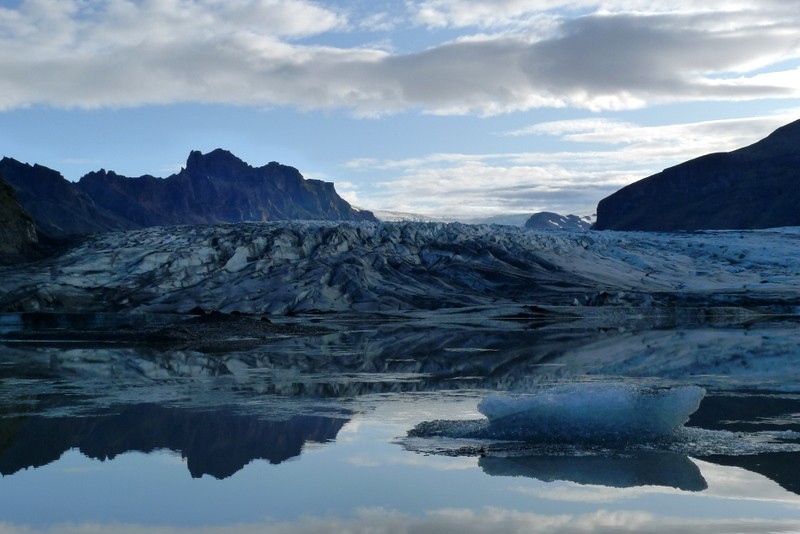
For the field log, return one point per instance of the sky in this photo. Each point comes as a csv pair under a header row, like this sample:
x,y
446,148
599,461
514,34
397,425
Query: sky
x,y
449,108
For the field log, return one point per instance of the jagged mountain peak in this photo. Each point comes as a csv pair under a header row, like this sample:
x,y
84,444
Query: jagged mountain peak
x,y
217,159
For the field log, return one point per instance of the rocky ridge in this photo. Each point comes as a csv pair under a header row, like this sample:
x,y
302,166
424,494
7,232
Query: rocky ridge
x,y
213,188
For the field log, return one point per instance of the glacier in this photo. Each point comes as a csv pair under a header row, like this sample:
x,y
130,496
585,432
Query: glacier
x,y
280,268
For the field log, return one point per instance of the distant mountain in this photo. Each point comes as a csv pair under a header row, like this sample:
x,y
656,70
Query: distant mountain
x,y
17,229
402,216
514,219
754,187
546,220
213,188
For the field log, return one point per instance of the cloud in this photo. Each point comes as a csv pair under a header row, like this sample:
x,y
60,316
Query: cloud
x,y
521,13
489,14
112,53
663,143
570,180
660,58
453,520
485,185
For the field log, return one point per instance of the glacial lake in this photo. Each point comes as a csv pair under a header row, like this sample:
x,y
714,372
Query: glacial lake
x,y
372,428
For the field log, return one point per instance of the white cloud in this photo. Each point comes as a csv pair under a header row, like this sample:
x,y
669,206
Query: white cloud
x,y
688,138
108,53
517,13
565,181
490,185
484,13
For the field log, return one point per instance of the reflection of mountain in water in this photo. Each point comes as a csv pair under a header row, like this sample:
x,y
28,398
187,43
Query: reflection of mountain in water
x,y
216,443
641,468
298,375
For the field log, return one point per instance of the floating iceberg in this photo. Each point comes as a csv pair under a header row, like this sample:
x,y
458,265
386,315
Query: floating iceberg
x,y
591,411
579,413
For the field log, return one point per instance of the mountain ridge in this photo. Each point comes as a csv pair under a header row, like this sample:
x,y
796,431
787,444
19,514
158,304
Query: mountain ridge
x,y
212,188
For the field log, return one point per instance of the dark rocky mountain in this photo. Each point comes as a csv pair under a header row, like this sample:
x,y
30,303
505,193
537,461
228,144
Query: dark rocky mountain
x,y
546,220
754,187
17,229
213,188
218,187
59,207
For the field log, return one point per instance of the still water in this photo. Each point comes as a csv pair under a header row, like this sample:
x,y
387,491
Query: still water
x,y
322,433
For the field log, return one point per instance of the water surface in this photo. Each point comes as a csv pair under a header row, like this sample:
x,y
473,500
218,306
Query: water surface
x,y
315,433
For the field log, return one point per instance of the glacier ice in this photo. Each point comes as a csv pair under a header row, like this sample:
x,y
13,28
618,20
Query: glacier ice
x,y
581,411
298,267
578,412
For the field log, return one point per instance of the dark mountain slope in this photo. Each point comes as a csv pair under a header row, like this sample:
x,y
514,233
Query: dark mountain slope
x,y
754,187
17,229
57,205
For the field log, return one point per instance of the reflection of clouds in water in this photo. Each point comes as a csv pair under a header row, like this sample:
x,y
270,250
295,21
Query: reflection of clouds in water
x,y
455,520
428,462
573,492
738,483
350,430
